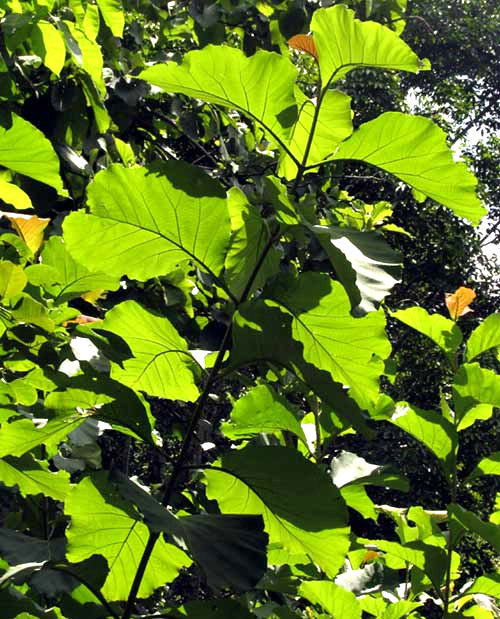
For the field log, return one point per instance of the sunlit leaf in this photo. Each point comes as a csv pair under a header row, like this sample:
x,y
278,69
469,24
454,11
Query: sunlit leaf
x,y
29,227
48,43
414,149
113,15
24,149
161,364
114,530
64,278
484,337
278,482
473,386
12,280
344,43
458,302
336,601
262,410
333,125
14,195
488,466
441,330
261,86
143,222
31,478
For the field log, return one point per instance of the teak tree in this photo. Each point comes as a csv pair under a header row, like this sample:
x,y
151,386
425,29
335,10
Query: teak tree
x,y
255,505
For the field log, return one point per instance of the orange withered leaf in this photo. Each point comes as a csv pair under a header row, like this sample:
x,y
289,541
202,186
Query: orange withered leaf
x,y
304,43
29,227
371,555
458,302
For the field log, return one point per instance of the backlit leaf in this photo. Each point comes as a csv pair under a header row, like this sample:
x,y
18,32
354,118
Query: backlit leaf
x,y
472,386
335,600
31,478
12,280
113,15
304,43
278,482
114,530
344,43
261,86
24,149
441,330
414,149
488,466
48,43
143,222
484,337
161,364
14,195
458,302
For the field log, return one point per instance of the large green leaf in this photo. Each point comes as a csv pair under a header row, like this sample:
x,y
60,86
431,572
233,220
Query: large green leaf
x,y
248,240
161,364
48,43
12,280
336,601
22,435
110,401
365,264
349,469
484,337
24,149
262,410
476,391
344,43
430,428
14,195
278,483
331,338
414,149
443,331
31,478
263,332
462,521
143,222
261,86
114,530
231,549
113,14
489,584
333,125
62,277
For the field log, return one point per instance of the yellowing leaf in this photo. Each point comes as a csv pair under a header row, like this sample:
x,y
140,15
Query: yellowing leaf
x,y
29,227
304,43
458,302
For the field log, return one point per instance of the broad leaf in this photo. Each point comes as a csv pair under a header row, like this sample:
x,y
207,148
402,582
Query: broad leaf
x,y
489,584
414,149
113,14
349,469
278,482
249,238
365,264
431,429
115,531
108,400
48,43
488,466
24,149
231,549
473,386
263,332
443,331
332,339
90,58
262,410
14,195
333,125
484,337
262,86
12,280
344,43
63,278
22,435
143,222
462,521
31,478
161,364
335,600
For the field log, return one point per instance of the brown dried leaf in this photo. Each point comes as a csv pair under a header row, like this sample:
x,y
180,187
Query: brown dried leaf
x,y
304,43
